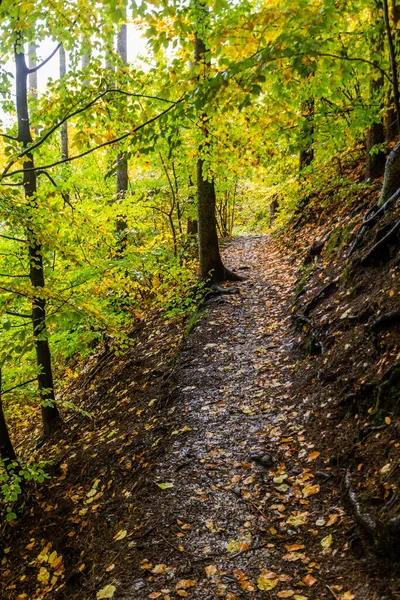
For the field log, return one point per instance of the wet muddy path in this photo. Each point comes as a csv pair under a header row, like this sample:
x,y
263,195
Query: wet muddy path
x,y
244,506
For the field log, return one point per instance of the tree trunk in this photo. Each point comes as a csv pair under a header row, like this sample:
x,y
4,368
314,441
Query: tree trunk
x,y
50,414
6,448
64,126
375,162
391,182
393,64
307,151
122,170
211,265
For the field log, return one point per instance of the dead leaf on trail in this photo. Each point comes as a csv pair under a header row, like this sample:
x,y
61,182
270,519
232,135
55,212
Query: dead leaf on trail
x,y
166,485
298,519
298,597
120,535
286,594
332,520
184,584
267,581
106,592
294,547
313,456
327,541
293,556
309,580
310,490
347,596
210,570
158,569
154,595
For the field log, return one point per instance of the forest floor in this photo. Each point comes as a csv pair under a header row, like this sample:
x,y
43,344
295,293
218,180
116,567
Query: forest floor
x,y
202,480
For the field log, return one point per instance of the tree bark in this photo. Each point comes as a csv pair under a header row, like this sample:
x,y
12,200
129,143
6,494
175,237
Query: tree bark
x,y
211,265
64,127
393,63
306,157
50,414
122,170
6,448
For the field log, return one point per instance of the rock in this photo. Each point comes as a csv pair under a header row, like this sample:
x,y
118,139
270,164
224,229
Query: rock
x,y
263,459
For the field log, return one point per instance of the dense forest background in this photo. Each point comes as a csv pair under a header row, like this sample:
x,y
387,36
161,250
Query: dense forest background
x,y
159,128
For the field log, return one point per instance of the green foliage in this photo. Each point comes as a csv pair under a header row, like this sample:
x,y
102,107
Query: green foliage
x,y
12,478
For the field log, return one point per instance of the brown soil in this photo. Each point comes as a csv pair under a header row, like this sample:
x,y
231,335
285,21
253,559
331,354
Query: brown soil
x,y
213,465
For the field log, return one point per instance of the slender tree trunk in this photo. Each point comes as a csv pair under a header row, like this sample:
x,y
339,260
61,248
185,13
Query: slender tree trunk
x,y
32,77
122,170
306,157
393,63
211,265
6,448
64,127
375,162
50,414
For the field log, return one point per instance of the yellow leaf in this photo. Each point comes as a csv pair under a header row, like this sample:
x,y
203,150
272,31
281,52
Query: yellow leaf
x,y
313,456
158,569
120,535
182,593
347,596
386,468
210,570
388,420
166,485
298,519
267,581
183,584
327,541
332,520
298,597
310,490
286,594
154,595
106,592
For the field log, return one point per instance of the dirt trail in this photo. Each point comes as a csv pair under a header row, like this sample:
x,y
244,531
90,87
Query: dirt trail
x,y
246,512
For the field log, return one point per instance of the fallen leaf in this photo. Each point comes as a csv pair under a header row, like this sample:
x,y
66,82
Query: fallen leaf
x,y
313,456
310,490
210,570
267,581
120,535
347,596
166,485
298,519
332,520
154,595
286,594
184,584
309,580
327,541
158,569
106,592
294,547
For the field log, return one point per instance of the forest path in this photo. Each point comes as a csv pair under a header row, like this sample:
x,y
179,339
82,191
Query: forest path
x,y
242,513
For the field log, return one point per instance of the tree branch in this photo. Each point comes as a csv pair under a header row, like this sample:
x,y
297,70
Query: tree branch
x,y
103,145
9,137
18,386
8,237
64,196
15,314
34,69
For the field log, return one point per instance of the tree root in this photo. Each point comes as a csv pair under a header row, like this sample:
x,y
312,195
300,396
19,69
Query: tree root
x,y
319,295
385,321
369,221
365,522
381,243
231,276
